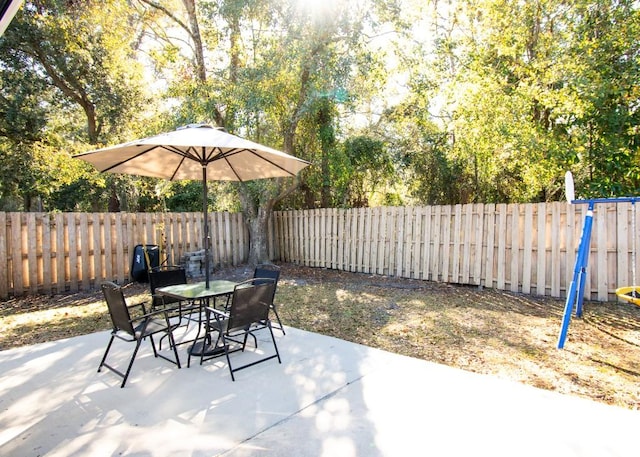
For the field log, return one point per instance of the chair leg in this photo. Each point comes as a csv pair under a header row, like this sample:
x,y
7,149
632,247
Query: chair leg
x,y
246,336
172,342
153,345
207,338
133,358
275,311
255,339
226,353
104,357
174,326
103,362
125,375
275,345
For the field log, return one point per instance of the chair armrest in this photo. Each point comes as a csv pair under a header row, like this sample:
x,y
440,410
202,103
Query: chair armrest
x,y
161,297
151,314
217,312
138,305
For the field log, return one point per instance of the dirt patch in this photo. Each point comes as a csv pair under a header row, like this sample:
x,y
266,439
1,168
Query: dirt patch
x,y
502,334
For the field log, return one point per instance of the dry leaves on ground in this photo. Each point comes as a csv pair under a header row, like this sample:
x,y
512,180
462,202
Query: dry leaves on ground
x,y
497,333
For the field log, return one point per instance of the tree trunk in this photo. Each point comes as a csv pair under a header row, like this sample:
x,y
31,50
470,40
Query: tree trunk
x,y
194,31
257,216
114,201
258,231
257,213
324,119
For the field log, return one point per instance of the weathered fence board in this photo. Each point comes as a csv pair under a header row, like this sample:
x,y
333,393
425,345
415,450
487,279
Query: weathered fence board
x,y
54,253
528,248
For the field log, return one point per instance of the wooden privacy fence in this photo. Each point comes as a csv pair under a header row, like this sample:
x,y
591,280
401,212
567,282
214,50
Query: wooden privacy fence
x,y
528,248
57,252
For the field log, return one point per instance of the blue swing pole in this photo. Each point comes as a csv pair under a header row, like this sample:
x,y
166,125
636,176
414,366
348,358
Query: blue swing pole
x,y
576,289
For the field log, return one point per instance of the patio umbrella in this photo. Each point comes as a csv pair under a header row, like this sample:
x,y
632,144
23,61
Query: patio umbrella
x,y
8,9
196,151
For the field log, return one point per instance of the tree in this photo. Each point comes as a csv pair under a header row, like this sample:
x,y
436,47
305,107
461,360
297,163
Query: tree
x,y
77,49
507,110
606,80
523,91
67,70
456,101
277,63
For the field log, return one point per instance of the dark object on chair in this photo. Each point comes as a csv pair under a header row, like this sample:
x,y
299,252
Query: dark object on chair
x,y
134,329
247,313
145,257
270,272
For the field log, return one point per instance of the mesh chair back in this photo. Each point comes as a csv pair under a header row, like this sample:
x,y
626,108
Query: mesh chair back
x,y
117,308
250,303
267,273
273,272
166,277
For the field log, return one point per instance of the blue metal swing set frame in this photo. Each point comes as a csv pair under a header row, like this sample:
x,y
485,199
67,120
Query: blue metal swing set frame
x,y
575,296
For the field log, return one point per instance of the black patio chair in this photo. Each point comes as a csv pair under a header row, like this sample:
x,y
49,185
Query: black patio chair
x,y
170,276
165,276
248,312
269,271
134,329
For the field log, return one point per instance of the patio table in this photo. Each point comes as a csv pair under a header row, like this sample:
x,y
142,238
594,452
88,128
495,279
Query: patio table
x,y
200,294
198,290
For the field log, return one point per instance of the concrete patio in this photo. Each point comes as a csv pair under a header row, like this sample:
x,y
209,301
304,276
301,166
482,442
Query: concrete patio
x,y
328,398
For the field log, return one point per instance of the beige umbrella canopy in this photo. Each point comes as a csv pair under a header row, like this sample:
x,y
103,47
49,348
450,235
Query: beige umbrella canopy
x,y
8,9
198,152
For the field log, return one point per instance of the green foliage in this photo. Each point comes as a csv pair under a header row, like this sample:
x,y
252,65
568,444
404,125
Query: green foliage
x,y
23,117
79,51
608,85
69,79
369,169
526,90
185,196
483,101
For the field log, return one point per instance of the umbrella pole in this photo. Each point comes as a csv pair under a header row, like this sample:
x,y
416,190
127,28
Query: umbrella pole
x,y
205,236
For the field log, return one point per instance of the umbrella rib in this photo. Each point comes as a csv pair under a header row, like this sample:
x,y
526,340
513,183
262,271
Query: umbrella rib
x,y
216,154
224,156
206,158
127,160
233,152
184,155
234,170
173,175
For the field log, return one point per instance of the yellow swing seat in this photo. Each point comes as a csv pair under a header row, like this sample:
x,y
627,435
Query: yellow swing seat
x,y
630,294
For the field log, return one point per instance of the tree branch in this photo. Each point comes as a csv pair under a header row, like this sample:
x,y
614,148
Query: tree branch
x,y
169,14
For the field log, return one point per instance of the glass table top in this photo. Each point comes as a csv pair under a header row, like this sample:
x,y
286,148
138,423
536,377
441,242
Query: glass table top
x,y
198,290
